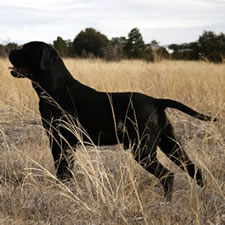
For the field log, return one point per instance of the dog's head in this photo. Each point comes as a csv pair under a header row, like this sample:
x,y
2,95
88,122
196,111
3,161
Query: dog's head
x,y
33,58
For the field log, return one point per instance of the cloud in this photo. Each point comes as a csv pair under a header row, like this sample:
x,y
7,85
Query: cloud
x,y
24,20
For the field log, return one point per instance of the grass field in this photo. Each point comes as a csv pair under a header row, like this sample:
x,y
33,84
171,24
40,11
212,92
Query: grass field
x,y
108,186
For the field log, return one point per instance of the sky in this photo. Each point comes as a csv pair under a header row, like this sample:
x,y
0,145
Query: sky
x,y
167,21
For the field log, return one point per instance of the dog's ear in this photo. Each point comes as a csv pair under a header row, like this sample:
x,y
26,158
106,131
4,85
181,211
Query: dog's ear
x,y
48,57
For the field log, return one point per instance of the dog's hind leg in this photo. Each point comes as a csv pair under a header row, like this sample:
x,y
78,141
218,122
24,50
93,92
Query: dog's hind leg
x,y
146,156
170,145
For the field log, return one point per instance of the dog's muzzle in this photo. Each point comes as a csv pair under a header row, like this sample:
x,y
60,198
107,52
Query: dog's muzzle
x,y
20,72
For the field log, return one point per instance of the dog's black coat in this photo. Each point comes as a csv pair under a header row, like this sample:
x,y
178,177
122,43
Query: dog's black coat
x,y
132,119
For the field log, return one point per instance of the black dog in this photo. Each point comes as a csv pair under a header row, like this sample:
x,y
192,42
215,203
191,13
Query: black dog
x,y
132,119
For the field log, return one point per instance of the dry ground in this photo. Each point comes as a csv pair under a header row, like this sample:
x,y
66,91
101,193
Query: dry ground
x,y
108,186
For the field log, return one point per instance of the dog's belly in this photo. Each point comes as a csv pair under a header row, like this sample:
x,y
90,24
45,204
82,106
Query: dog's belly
x,y
102,138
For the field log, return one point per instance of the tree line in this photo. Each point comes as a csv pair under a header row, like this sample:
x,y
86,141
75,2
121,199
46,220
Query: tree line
x,y
209,47
90,43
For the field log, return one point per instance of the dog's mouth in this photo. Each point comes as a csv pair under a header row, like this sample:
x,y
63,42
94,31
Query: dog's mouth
x,y
19,72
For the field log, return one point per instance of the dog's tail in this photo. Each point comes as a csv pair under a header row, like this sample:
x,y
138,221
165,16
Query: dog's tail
x,y
168,103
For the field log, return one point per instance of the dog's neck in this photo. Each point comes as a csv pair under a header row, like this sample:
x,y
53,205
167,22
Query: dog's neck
x,y
48,83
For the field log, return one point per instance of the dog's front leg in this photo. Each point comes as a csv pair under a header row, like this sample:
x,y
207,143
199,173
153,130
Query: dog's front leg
x,y
63,161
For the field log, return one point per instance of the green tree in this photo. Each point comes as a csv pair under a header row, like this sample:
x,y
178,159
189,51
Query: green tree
x,y
118,44
61,46
154,43
211,46
185,51
10,46
207,42
5,49
90,42
69,45
2,51
135,46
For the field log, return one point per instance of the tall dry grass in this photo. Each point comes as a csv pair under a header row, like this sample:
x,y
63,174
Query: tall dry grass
x,y
108,186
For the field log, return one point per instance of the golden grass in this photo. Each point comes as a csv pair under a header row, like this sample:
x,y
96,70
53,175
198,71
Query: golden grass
x,y
108,186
